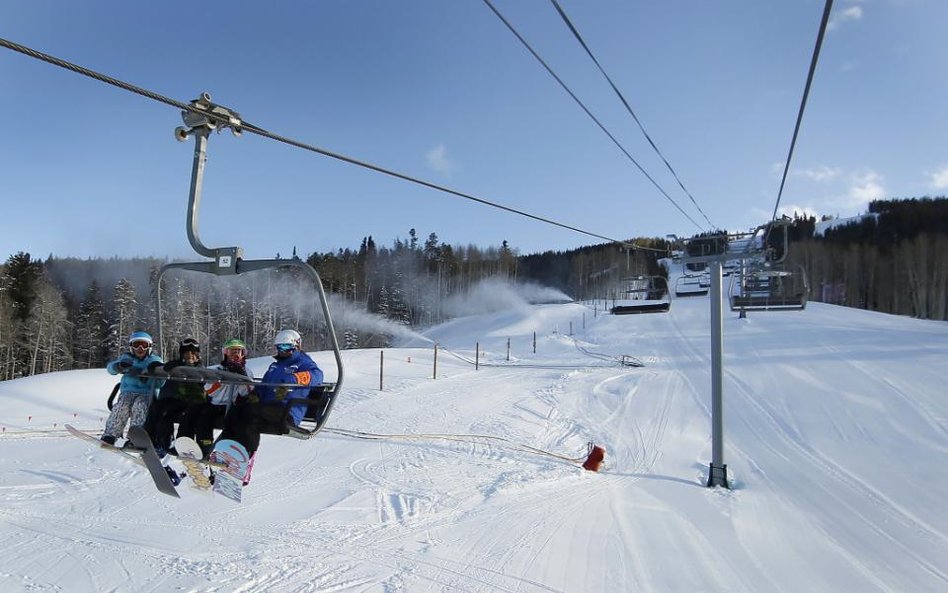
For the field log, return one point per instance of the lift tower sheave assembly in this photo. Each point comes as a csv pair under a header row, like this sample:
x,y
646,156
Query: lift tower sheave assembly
x,y
200,121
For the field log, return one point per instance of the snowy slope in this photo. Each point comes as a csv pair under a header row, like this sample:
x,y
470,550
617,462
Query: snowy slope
x,y
836,432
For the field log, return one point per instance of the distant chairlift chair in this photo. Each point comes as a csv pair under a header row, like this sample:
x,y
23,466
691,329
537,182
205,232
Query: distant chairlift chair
x,y
644,294
769,289
692,285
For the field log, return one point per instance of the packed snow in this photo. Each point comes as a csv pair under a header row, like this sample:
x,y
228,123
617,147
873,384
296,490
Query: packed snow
x,y
836,434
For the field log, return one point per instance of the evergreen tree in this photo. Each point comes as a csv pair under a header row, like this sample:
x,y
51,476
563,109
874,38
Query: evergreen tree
x,y
20,285
91,330
124,319
20,277
350,339
507,261
7,332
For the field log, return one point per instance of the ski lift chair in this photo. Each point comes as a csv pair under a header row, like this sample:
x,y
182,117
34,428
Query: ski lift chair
x,y
778,288
644,294
689,286
203,117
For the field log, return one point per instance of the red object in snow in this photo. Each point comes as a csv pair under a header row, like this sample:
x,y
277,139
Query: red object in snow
x,y
594,461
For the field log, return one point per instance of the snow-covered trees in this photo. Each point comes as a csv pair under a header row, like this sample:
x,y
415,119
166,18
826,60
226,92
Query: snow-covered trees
x,y
91,330
35,332
124,317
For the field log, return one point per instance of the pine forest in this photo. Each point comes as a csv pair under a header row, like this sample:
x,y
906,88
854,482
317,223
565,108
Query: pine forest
x,y
66,313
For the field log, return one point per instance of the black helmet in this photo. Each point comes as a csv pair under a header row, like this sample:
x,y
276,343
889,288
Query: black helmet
x,y
189,345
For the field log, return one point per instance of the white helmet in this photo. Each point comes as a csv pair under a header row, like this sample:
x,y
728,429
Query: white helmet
x,y
288,336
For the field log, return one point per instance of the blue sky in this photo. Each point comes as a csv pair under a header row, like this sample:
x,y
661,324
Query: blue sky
x,y
441,90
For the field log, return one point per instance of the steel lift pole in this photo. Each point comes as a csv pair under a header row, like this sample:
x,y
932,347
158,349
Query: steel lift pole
x,y
717,474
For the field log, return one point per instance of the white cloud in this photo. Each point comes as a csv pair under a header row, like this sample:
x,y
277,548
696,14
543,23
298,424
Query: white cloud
x,y
820,174
853,13
865,186
844,192
849,65
850,194
939,179
437,159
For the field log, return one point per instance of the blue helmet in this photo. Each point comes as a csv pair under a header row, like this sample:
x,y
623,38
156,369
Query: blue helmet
x,y
139,338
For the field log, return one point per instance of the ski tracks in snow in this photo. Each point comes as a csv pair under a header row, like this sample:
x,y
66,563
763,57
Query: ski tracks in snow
x,y
840,516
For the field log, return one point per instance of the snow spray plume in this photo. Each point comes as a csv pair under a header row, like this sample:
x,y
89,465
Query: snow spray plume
x,y
347,315
495,294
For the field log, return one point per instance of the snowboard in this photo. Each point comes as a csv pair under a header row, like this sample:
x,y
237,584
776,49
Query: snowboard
x,y
229,480
104,446
141,439
189,453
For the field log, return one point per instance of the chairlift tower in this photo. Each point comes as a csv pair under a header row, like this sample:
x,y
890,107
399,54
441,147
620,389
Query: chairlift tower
x,y
715,250
228,261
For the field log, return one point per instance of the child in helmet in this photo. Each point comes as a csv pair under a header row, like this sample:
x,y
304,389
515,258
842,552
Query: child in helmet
x,y
266,405
177,401
135,393
220,396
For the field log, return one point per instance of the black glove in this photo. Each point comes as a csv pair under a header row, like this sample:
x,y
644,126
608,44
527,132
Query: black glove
x,y
122,366
154,365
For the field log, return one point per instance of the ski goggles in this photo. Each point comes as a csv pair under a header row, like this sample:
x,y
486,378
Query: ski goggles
x,y
190,342
285,347
235,352
140,345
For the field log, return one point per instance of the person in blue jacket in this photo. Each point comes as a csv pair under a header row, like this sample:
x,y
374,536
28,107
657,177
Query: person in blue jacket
x,y
135,393
266,404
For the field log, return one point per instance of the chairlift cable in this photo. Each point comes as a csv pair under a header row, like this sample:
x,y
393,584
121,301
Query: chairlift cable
x,y
262,132
96,75
588,112
628,108
806,91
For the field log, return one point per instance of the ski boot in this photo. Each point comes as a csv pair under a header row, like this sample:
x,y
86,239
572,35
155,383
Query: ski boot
x,y
173,475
